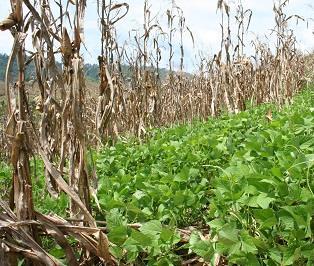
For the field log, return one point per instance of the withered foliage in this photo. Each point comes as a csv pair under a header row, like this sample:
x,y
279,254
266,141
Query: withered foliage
x,y
59,138
69,118
227,81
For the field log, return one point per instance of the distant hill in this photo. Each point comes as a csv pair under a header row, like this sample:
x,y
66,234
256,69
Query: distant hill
x,y
3,63
91,70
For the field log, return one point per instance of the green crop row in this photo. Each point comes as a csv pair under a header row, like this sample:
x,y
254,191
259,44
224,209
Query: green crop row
x,y
246,181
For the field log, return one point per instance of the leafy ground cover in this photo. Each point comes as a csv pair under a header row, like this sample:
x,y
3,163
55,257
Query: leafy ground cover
x,y
236,189
242,184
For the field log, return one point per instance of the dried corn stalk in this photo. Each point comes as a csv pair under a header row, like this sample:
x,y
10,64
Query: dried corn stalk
x,y
61,132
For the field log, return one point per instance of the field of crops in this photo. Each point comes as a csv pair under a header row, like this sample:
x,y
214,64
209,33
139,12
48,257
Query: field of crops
x,y
237,190
240,186
147,164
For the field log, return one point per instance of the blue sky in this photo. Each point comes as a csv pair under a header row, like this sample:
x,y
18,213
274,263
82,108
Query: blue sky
x,y
201,17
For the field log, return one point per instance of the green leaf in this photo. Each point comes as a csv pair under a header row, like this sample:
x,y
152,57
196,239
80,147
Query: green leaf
x,y
275,255
116,251
247,243
190,198
229,234
296,214
151,228
276,172
141,239
114,218
290,256
118,234
263,200
169,236
307,145
139,194
252,260
287,222
57,252
183,176
309,160
234,249
147,211
203,248
217,224
306,195
130,244
132,255
193,172
266,217
179,198
20,262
